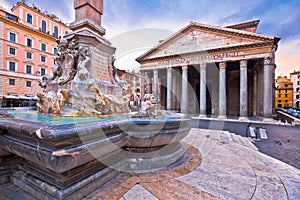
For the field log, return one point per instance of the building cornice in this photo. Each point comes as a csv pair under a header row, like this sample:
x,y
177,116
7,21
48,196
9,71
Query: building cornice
x,y
245,25
19,25
18,74
37,11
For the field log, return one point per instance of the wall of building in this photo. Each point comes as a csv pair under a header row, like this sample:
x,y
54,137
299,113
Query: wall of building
x,y
283,92
295,78
1,54
22,34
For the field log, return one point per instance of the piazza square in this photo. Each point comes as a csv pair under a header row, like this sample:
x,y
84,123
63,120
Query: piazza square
x,y
149,100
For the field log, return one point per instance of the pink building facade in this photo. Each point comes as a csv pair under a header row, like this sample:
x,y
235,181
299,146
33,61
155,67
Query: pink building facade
x,y
28,39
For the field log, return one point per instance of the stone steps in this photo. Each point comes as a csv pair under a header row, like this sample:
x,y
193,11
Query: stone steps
x,y
234,138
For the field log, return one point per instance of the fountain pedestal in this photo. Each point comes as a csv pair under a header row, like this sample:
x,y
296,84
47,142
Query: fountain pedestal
x,y
70,161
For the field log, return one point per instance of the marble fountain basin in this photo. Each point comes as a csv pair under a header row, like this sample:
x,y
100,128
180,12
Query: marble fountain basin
x,y
59,161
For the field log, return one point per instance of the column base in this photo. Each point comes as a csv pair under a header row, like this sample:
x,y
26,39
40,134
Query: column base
x,y
243,118
222,117
202,116
184,111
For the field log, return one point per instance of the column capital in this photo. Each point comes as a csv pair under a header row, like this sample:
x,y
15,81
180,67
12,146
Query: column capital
x,y
169,69
155,71
243,63
184,68
222,65
268,60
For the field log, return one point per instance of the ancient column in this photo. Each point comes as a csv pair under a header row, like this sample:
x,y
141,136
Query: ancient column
x,y
155,79
169,88
254,93
174,89
178,92
222,90
142,85
202,90
243,89
184,93
268,82
148,83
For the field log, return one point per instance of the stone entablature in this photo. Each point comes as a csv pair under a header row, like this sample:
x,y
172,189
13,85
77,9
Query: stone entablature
x,y
214,57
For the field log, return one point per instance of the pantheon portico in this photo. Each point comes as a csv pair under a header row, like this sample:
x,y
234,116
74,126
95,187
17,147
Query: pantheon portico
x,y
212,70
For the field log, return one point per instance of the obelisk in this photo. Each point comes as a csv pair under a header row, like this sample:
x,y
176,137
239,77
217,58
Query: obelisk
x,y
88,32
88,14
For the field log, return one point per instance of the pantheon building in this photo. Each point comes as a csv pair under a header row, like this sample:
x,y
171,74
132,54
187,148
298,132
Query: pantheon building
x,y
213,71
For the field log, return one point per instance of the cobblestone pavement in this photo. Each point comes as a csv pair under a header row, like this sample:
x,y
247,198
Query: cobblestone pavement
x,y
231,168
282,143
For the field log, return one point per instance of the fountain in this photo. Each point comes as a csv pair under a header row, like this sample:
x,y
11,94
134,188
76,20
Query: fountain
x,y
72,90
59,160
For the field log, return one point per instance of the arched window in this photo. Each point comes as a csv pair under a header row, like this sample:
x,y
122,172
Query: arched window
x,y
44,26
29,18
56,31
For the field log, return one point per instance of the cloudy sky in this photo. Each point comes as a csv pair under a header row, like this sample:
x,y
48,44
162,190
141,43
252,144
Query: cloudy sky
x,y
277,17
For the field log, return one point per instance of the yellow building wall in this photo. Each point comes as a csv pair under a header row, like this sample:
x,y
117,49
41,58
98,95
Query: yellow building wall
x,y
283,92
284,98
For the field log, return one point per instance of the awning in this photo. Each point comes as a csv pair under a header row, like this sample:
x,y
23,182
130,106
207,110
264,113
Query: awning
x,y
11,97
35,98
25,97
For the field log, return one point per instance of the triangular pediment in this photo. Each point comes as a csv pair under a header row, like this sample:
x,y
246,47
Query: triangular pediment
x,y
198,38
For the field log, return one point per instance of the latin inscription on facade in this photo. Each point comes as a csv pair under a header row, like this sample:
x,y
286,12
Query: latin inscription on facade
x,y
198,59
